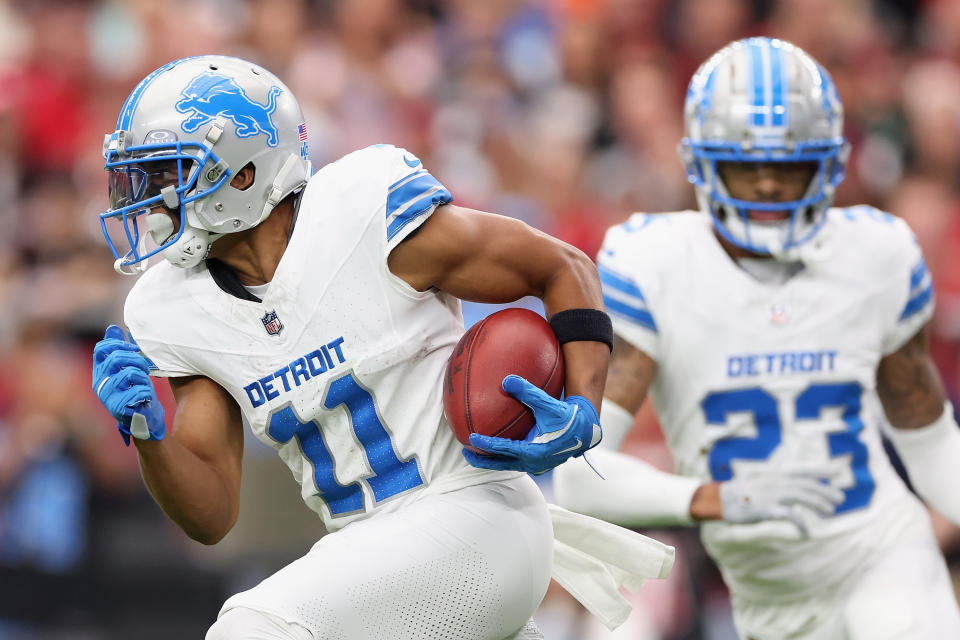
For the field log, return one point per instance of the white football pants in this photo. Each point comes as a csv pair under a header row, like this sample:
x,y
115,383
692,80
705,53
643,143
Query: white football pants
x,y
905,595
472,564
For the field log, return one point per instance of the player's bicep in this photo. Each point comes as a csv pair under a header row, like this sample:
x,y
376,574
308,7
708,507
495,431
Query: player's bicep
x,y
631,373
477,256
909,386
208,423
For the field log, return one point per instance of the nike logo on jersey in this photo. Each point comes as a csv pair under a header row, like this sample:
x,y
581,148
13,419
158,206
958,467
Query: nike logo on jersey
x,y
299,371
411,162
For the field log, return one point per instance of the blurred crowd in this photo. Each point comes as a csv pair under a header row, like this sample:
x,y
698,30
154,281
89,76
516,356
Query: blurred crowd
x,y
563,113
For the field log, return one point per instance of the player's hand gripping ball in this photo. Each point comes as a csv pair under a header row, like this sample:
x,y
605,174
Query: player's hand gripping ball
x,y
501,395
512,341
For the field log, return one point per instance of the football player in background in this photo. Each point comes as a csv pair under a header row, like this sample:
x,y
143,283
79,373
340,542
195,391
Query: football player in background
x,y
774,333
323,310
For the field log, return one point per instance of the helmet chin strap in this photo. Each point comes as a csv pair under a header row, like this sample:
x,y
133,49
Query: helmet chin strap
x,y
129,269
275,192
136,268
190,248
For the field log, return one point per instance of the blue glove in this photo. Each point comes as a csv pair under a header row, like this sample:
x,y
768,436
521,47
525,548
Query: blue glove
x,y
564,428
121,381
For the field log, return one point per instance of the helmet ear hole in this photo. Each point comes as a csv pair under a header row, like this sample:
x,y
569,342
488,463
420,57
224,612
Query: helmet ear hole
x,y
244,178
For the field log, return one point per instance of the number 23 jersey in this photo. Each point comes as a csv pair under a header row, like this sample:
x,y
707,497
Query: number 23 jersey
x,y
340,367
756,376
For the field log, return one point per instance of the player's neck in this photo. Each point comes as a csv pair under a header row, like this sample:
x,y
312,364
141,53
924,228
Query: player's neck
x,y
761,266
254,254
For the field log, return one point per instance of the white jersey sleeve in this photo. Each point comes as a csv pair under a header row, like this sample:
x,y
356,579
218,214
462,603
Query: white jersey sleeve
x,y
631,282
910,302
400,189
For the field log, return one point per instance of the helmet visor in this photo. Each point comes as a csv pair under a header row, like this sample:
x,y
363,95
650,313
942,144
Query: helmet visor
x,y
141,182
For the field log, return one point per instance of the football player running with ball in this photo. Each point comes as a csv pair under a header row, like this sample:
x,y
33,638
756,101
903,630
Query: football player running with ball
x,y
323,310
776,335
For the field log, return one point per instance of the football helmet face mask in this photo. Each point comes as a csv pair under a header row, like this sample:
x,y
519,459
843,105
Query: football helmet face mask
x,y
764,100
182,134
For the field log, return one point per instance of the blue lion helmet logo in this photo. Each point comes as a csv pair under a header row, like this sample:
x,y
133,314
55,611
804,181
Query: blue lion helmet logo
x,y
210,95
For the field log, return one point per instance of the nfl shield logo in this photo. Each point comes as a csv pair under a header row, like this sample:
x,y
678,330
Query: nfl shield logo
x,y
272,323
779,313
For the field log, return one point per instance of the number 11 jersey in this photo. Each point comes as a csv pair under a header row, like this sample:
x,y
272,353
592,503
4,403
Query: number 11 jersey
x,y
340,366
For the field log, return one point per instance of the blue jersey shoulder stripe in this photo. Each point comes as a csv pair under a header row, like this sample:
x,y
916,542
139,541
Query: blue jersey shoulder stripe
x,y
418,184
917,302
418,208
413,199
405,178
640,316
917,274
610,279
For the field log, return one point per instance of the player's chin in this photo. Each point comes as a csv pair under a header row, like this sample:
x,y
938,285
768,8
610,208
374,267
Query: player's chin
x,y
768,217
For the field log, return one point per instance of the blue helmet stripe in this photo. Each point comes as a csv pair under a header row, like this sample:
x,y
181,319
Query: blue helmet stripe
x,y
708,88
778,75
767,81
827,93
756,84
133,100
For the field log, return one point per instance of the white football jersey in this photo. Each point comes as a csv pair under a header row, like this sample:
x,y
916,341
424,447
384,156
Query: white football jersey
x,y
754,376
340,367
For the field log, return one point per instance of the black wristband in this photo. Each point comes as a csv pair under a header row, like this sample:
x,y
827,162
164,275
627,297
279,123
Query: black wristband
x,y
574,325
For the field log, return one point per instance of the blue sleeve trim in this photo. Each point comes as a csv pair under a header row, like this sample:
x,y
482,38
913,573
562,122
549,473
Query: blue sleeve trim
x,y
917,302
917,275
614,281
405,178
640,316
411,197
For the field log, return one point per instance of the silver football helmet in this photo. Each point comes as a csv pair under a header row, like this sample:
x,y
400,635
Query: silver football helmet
x,y
182,134
764,100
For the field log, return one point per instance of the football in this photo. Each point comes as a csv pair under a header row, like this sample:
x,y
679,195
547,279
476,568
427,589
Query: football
x,y
516,341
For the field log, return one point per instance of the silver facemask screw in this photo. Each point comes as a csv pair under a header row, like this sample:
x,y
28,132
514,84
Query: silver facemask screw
x,y
218,206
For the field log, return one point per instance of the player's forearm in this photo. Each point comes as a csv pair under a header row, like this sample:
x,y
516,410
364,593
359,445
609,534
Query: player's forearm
x,y
705,503
576,285
585,363
631,493
631,373
930,454
194,494
925,433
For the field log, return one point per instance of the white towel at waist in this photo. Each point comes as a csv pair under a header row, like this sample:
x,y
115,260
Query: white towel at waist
x,y
592,559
